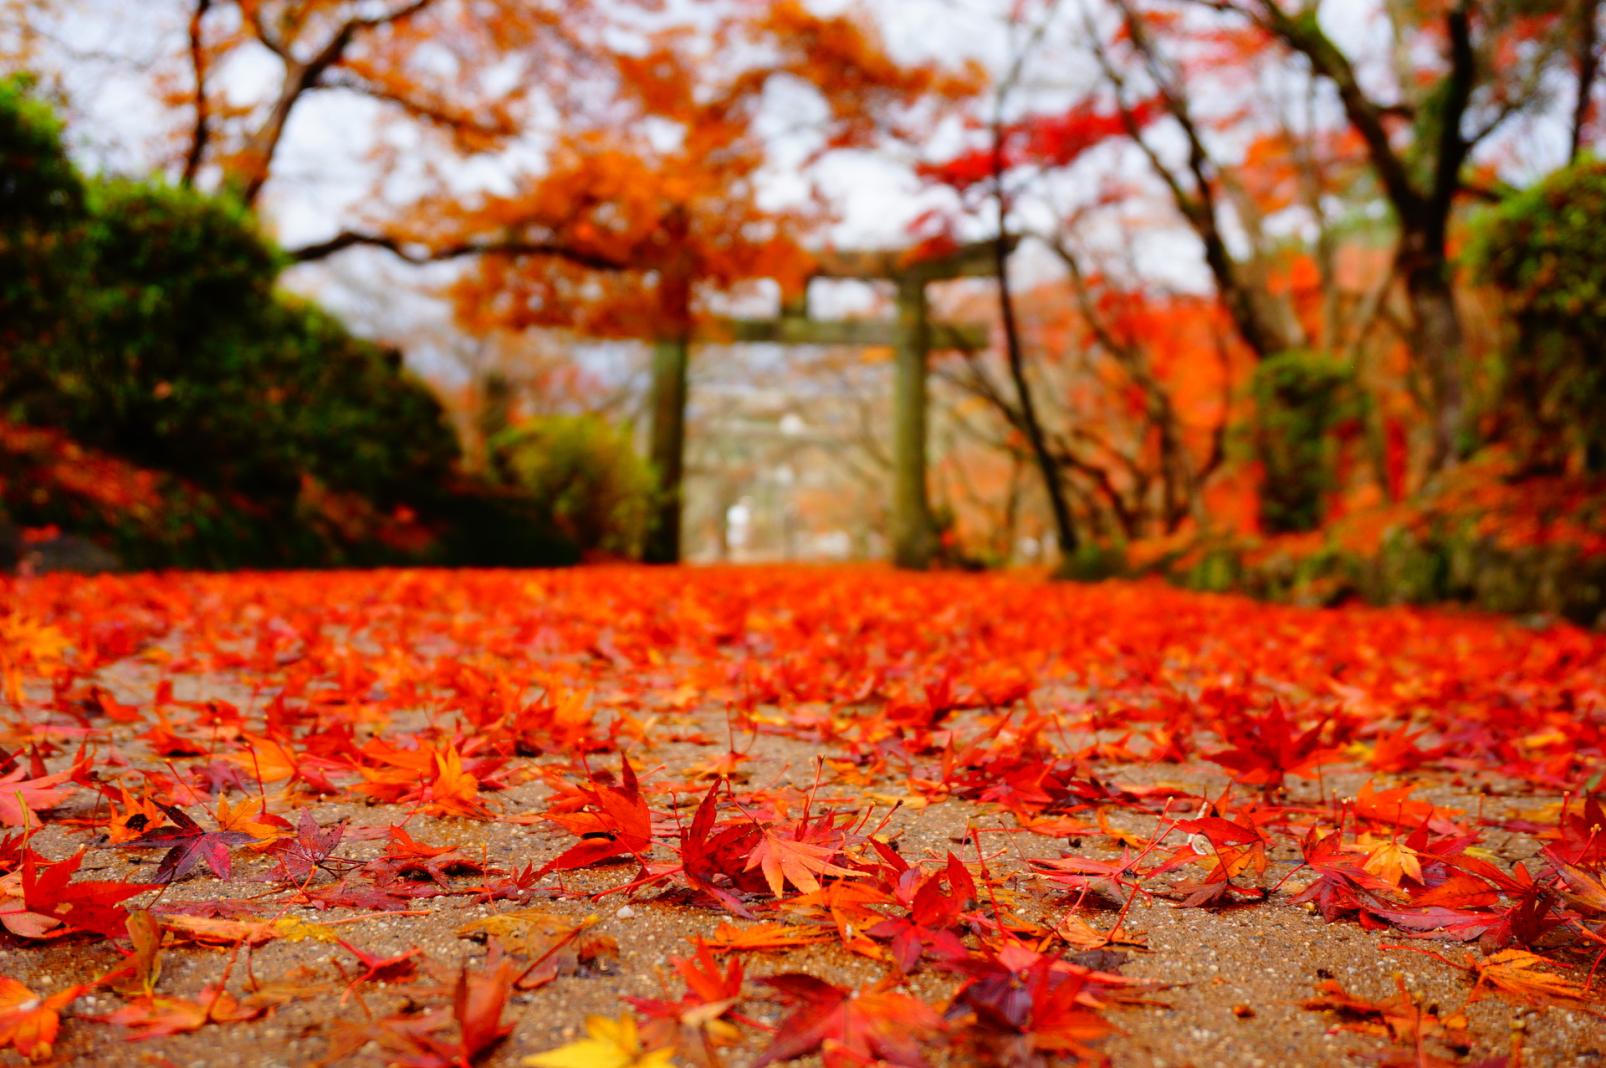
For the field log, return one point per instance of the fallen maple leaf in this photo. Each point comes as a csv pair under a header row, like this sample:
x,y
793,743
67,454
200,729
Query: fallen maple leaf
x,y
29,1023
1400,1018
616,824
477,1003
1266,749
377,969
530,932
766,936
187,845
21,797
848,1026
609,1044
787,860
144,967
251,818
132,818
453,791
301,856
48,890
1391,860
1516,972
157,1017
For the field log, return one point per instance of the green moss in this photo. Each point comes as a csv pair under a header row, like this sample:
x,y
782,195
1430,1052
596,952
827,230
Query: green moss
x,y
1299,398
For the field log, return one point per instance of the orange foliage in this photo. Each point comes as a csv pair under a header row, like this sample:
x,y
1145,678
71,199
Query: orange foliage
x,y
997,692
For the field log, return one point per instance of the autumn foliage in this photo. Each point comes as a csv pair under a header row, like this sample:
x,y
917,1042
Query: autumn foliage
x,y
979,789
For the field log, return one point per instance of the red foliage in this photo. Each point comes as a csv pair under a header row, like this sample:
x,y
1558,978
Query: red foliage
x,y
1037,704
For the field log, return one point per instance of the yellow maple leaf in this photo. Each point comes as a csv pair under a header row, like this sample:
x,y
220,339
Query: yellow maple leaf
x,y
1391,859
610,1044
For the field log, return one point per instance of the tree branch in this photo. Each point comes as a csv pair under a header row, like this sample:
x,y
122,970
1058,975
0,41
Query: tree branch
x,y
201,131
418,253
1305,35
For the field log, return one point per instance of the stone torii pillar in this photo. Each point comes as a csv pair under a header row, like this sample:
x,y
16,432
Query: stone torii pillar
x,y
914,532
911,335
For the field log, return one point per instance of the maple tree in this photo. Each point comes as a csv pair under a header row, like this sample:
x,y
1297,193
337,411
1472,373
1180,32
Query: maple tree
x,y
643,816
622,236
1417,137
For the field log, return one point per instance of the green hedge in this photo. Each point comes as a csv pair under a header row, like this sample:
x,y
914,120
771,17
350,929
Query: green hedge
x,y
1541,249
143,321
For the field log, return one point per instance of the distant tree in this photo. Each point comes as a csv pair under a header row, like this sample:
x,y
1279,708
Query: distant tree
x,y
1461,71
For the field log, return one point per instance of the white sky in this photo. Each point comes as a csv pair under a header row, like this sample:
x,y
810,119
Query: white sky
x,y
323,173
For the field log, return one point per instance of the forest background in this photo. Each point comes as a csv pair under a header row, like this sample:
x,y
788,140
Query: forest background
x,y
1303,300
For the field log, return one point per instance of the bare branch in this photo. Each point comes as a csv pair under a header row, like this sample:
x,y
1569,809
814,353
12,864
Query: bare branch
x,y
418,253
201,131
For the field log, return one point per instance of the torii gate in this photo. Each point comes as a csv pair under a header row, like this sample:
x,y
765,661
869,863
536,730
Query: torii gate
x,y
911,335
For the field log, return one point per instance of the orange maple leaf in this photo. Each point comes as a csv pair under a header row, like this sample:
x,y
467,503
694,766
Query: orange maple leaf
x,y
786,860
1516,972
133,817
28,1022
765,936
157,1017
453,791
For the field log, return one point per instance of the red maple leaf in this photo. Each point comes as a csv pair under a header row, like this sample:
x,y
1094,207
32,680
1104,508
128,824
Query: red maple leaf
x,y
306,853
187,845
847,1026
615,823
89,905
1266,749
938,904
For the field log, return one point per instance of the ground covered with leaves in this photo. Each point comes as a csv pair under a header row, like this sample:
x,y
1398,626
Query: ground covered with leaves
x,y
611,817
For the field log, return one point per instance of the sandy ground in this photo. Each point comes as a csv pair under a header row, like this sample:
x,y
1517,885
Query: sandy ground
x,y
1229,983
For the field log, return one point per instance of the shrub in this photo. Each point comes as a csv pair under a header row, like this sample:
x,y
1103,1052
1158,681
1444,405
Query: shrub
x,y
1541,249
142,321
1299,398
42,211
481,524
586,473
228,423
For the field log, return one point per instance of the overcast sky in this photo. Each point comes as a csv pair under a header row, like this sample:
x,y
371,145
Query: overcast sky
x,y
323,171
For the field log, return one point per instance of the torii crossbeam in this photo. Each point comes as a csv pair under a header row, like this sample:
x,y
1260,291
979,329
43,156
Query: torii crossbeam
x,y
911,335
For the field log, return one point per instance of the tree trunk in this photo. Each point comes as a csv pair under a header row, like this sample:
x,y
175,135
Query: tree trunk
x,y
667,455
1439,344
1586,66
914,537
495,414
1064,526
